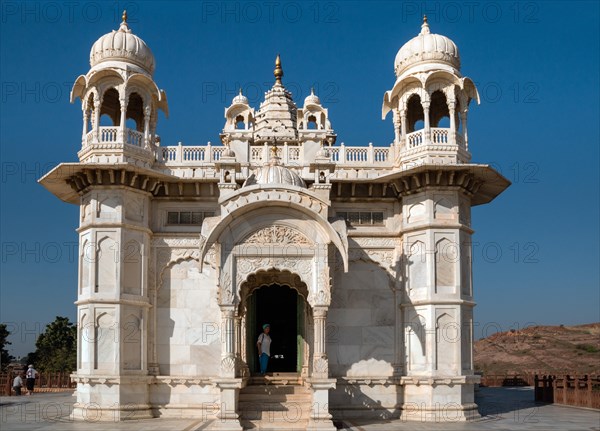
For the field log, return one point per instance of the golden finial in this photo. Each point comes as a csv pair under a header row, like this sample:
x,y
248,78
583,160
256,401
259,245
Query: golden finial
x,y
424,19
274,150
124,16
278,70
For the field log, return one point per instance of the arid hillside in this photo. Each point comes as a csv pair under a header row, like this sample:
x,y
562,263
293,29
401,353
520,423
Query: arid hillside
x,y
545,349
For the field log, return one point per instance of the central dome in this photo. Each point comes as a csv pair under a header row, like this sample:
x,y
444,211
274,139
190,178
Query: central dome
x,y
273,173
122,45
426,46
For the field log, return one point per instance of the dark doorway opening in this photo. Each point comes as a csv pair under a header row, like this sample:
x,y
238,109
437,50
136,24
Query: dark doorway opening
x,y
278,306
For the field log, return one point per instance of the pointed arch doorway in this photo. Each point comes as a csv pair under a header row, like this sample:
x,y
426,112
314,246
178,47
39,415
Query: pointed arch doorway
x,y
285,308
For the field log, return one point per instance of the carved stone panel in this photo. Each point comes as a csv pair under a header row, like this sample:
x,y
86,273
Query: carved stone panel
x,y
279,235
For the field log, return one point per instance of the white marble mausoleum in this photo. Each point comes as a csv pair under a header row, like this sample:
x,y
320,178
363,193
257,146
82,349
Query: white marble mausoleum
x,y
358,257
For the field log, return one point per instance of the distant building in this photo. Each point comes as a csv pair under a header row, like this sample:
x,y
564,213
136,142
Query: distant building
x,y
358,257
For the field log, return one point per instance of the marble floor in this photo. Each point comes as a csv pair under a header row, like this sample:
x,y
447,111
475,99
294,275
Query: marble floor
x,y
501,409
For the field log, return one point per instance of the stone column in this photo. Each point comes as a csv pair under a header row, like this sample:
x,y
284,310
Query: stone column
x,y
403,125
426,127
320,365
96,120
147,112
227,341
238,344
463,119
397,126
86,117
320,383
229,386
122,125
452,113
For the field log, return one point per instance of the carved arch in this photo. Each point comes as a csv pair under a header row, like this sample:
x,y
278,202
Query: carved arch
x,y
279,201
261,278
186,255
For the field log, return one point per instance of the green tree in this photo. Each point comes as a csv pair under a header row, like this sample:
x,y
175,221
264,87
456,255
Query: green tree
x,y
57,346
5,358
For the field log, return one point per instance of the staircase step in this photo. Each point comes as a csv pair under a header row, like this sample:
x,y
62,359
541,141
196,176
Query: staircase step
x,y
258,425
275,399
274,405
261,380
272,387
278,412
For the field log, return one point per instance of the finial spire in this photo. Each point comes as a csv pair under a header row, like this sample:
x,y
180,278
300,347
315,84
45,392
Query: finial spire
x,y
278,72
425,26
124,16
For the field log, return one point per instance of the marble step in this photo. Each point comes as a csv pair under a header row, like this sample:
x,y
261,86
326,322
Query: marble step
x,y
291,413
274,390
277,379
275,398
258,425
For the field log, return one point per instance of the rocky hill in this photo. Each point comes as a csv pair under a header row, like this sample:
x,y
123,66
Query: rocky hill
x,y
544,349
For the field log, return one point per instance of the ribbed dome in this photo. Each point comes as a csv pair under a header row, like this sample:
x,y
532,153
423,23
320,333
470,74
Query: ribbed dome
x,y
426,47
122,45
274,173
312,98
240,99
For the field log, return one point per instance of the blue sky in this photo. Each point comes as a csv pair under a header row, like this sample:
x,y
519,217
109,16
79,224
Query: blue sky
x,y
536,65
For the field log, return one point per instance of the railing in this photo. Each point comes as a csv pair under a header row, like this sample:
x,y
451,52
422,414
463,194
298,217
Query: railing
x,y
360,155
438,136
293,154
414,139
356,154
45,382
289,154
498,380
110,134
189,155
135,138
256,154
582,391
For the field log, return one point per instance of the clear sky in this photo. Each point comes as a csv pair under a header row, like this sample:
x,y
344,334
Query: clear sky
x,y
536,65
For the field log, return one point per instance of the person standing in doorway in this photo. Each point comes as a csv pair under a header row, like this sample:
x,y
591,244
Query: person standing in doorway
x,y
264,348
31,374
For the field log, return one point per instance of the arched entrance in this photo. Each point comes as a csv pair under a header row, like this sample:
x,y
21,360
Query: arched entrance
x,y
277,297
284,309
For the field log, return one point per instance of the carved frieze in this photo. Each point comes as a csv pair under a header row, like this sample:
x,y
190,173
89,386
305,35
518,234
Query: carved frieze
x,y
374,242
174,242
273,196
277,235
225,288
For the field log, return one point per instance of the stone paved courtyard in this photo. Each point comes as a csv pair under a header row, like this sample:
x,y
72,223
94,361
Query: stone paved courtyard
x,y
501,409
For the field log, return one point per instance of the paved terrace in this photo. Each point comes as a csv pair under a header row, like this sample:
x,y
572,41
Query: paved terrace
x,y
501,409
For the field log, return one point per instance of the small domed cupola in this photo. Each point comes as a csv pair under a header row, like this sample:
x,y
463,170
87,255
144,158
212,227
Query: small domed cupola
x,y
120,101
312,99
429,101
240,99
124,46
273,172
426,47
239,115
